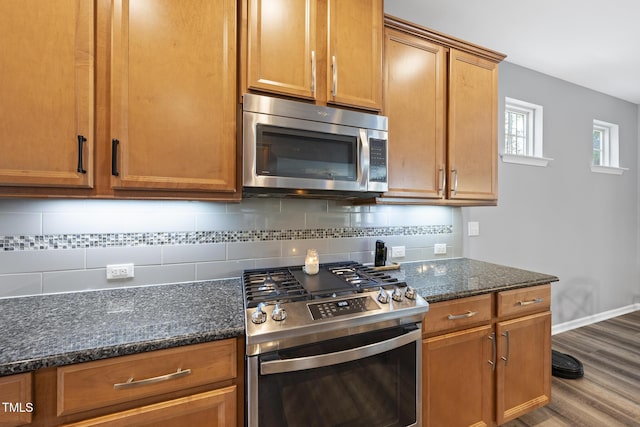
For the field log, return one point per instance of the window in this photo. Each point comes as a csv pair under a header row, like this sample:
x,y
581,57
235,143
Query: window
x,y
523,133
605,148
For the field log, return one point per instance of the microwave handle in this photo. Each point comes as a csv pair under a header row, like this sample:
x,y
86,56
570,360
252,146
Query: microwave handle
x,y
329,359
363,151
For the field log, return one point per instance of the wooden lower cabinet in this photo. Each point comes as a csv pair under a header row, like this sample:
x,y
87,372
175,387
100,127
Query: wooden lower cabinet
x,y
523,373
192,385
16,400
457,378
480,371
211,409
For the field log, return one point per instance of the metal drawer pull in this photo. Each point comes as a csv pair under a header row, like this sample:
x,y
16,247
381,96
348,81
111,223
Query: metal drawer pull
x,y
533,301
462,316
131,383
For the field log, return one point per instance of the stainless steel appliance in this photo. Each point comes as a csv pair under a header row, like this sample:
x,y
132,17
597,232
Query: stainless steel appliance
x,y
337,348
291,147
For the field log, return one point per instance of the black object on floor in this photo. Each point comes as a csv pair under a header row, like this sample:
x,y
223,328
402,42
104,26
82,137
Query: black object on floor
x,y
565,366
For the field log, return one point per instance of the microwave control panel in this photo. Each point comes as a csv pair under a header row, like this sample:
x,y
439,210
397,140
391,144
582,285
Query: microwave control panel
x,y
377,160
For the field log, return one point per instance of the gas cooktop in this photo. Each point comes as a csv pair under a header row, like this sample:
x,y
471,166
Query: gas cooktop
x,y
286,307
288,284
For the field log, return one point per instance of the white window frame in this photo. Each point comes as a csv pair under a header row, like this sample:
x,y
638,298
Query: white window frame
x,y
610,150
533,145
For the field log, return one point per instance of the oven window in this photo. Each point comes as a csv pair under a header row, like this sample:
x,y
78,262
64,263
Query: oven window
x,y
374,391
298,153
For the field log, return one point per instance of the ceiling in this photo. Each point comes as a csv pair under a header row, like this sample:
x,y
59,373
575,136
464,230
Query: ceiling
x,y
590,43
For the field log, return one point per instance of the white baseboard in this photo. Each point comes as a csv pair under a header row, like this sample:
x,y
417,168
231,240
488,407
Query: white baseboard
x,y
573,324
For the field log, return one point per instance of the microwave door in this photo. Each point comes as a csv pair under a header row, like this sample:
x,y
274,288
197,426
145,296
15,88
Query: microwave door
x,y
281,152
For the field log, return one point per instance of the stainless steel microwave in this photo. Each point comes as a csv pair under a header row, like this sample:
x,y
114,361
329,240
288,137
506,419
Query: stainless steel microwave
x,y
291,147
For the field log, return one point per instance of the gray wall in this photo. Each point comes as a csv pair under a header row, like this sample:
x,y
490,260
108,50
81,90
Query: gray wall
x,y
564,219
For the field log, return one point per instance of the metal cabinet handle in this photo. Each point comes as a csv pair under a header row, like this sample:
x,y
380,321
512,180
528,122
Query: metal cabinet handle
x,y
114,157
81,141
462,316
334,83
329,359
443,181
313,72
130,383
533,301
506,357
492,362
454,172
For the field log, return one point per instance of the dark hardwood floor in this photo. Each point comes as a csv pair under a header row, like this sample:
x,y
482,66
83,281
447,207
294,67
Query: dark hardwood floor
x,y
609,393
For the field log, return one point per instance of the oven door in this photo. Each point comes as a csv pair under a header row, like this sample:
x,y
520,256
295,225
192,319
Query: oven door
x,y
371,379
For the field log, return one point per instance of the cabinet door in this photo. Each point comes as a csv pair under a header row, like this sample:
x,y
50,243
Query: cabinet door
x,y
354,59
211,409
173,95
17,400
46,88
457,378
524,365
473,110
281,50
414,102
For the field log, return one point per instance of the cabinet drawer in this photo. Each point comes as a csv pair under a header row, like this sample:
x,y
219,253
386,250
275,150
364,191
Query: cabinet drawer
x,y
524,300
106,382
215,408
457,313
16,399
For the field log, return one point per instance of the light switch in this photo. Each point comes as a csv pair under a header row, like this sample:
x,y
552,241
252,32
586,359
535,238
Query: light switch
x,y
474,228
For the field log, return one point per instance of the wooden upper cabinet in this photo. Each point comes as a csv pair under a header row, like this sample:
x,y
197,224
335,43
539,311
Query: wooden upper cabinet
x,y
282,52
321,50
47,93
415,78
354,59
473,121
441,97
173,95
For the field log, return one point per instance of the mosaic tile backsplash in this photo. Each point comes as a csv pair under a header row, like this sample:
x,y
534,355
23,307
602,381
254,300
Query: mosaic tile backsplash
x,y
52,246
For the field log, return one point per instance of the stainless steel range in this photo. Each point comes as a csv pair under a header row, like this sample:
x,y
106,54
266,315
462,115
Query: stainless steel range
x,y
337,348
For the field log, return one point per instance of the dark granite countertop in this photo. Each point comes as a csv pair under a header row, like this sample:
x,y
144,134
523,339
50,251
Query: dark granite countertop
x,y
55,330
453,278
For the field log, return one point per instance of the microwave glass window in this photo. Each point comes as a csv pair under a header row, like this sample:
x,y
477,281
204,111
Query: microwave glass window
x,y
299,153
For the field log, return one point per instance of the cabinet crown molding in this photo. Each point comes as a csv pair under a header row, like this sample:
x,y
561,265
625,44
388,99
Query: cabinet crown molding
x,y
399,24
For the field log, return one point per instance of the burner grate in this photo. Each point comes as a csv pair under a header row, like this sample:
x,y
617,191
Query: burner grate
x,y
284,284
271,286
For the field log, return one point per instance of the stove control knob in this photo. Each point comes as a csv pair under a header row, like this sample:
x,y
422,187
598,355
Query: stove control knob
x,y
278,314
383,296
396,294
410,293
259,316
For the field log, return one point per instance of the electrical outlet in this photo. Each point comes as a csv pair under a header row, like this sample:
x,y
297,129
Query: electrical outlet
x,y
397,251
474,228
119,271
440,248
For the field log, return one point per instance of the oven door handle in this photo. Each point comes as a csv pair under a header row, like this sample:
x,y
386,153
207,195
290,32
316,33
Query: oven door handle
x,y
319,361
